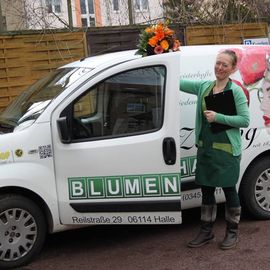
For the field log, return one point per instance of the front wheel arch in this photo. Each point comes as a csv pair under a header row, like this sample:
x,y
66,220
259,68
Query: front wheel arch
x,y
35,198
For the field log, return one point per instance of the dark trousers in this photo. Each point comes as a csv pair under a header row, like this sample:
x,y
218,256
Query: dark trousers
x,y
231,195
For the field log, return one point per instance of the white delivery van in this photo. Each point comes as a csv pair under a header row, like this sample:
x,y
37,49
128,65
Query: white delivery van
x,y
110,140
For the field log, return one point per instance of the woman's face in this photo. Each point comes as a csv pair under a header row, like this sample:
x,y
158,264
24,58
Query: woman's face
x,y
223,67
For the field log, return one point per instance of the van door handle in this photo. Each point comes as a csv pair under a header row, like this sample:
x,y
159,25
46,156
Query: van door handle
x,y
169,151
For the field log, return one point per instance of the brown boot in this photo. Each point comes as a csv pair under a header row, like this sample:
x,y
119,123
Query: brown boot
x,y
205,235
232,216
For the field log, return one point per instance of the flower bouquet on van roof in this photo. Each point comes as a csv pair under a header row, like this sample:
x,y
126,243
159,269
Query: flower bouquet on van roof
x,y
157,39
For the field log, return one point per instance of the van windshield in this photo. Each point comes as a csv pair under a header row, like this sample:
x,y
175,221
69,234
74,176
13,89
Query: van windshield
x,y
31,103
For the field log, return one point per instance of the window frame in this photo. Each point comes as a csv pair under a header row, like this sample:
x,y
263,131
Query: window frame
x,y
89,17
115,6
139,7
69,111
53,5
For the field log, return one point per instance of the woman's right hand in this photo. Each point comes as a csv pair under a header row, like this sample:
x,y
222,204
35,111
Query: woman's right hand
x,y
210,116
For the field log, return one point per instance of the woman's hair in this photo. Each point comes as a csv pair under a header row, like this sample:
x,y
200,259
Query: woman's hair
x,y
233,56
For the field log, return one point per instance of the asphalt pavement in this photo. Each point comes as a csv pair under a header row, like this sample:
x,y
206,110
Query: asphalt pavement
x,y
157,247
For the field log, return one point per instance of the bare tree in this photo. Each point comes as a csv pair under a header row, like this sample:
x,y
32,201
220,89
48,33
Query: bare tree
x,y
25,15
187,12
184,12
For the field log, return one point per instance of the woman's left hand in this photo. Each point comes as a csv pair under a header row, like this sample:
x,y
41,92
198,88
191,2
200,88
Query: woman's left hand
x,y
210,116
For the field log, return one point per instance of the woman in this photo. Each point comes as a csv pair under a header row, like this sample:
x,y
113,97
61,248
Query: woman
x,y
218,155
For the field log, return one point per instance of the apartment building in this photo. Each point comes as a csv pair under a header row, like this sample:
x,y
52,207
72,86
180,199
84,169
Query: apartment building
x,y
34,14
119,12
46,14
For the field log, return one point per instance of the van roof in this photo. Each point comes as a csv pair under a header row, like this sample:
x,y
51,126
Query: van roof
x,y
111,59
108,59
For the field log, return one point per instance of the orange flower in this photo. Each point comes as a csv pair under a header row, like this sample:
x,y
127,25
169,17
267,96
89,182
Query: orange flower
x,y
159,27
153,41
159,31
168,32
164,44
149,30
160,35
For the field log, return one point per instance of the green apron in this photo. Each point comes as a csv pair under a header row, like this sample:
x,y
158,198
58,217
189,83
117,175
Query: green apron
x,y
216,166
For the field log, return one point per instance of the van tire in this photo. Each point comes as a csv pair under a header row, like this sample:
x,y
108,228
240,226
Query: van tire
x,y
255,189
20,241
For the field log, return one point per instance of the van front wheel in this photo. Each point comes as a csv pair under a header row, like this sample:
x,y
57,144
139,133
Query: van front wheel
x,y
22,230
255,189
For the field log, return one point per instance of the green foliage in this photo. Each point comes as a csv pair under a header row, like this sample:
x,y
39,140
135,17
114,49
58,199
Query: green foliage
x,y
143,43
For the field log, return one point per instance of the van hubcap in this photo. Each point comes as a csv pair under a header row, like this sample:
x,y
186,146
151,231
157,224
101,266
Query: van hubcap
x,y
262,190
18,232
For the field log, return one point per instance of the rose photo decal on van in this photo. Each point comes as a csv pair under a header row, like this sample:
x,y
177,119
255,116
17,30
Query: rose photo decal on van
x,y
254,69
265,104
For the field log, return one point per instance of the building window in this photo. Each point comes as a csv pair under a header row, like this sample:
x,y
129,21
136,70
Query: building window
x,y
4,23
84,22
141,5
92,21
91,6
53,6
115,5
83,7
87,13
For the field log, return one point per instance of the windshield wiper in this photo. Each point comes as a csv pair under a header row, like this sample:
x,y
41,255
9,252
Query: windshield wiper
x,y
30,117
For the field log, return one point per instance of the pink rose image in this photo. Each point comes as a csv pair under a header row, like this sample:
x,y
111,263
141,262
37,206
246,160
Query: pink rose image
x,y
158,50
243,88
252,64
265,104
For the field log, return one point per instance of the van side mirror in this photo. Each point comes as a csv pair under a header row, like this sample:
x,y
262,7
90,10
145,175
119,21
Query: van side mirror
x,y
63,130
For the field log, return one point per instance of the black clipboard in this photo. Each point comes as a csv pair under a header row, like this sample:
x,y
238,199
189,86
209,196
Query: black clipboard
x,y
221,103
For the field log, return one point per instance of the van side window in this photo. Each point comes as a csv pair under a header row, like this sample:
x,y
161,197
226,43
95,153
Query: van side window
x,y
129,103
